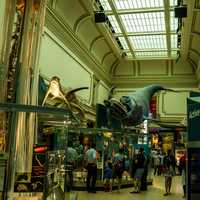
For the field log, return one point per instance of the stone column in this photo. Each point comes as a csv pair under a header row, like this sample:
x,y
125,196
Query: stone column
x,y
24,125
6,27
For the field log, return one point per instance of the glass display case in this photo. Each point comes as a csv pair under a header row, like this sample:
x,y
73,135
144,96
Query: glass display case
x,y
47,162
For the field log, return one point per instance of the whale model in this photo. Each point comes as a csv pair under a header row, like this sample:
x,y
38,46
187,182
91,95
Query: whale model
x,y
132,110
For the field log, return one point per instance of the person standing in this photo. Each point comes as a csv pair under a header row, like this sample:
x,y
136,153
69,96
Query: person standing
x,y
118,161
157,164
72,157
169,166
139,176
108,177
91,159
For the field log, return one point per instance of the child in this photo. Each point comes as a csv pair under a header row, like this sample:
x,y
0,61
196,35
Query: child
x,y
108,177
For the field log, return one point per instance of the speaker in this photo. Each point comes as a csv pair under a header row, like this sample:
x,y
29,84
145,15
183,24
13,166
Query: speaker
x,y
99,17
180,11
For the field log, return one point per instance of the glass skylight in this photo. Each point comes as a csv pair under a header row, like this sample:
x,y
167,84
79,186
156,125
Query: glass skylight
x,y
123,42
173,22
149,42
114,23
129,4
173,2
105,4
144,22
173,41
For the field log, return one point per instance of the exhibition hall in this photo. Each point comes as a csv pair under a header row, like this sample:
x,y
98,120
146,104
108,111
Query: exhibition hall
x,y
100,99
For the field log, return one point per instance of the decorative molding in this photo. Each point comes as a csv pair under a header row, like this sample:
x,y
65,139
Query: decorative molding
x,y
103,30
93,42
163,93
179,82
105,55
195,51
183,74
122,76
193,22
113,67
195,33
192,62
79,21
147,75
64,33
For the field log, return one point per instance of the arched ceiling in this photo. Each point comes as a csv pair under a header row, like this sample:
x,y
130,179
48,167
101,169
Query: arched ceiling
x,y
100,44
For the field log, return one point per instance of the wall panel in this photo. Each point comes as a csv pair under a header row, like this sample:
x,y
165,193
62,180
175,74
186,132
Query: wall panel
x,y
57,60
153,67
69,10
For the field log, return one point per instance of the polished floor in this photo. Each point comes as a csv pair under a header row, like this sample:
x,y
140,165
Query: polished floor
x,y
154,192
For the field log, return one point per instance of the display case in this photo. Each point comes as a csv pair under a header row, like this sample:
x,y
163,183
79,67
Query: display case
x,y
108,142
46,161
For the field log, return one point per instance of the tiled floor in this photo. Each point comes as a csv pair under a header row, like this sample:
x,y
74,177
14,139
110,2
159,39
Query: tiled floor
x,y
155,192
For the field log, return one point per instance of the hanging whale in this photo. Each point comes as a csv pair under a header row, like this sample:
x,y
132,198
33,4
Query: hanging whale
x,y
133,109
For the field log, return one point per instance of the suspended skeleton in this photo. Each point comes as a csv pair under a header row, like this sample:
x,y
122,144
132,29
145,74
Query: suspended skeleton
x,y
55,96
55,92
74,102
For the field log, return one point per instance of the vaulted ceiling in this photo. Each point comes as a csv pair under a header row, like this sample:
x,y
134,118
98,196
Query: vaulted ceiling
x,y
97,43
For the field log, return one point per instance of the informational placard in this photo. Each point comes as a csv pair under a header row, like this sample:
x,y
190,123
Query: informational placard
x,y
193,116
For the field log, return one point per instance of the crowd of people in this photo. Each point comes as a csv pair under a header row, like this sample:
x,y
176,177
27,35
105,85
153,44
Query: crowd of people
x,y
119,164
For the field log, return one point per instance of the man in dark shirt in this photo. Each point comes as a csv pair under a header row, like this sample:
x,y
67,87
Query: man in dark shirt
x,y
169,166
139,178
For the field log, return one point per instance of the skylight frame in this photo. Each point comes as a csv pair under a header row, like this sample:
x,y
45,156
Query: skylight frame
x,y
148,42
144,22
142,14
128,4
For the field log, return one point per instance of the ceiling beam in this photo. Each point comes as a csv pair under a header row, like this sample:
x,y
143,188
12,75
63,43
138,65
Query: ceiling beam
x,y
167,26
142,33
121,26
141,10
149,50
152,58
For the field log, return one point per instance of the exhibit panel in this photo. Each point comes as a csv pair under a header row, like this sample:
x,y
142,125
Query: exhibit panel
x,y
193,148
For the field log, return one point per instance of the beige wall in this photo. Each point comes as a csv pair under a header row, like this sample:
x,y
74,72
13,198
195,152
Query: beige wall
x,y
57,60
102,92
173,105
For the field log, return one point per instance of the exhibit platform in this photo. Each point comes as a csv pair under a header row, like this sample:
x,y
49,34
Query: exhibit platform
x,y
100,185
